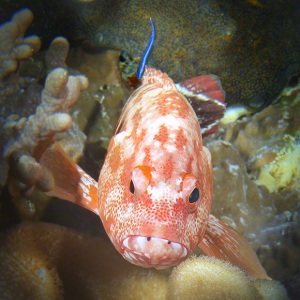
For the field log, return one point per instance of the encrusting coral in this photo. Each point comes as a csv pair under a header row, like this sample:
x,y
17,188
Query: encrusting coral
x,y
260,152
256,183
252,45
269,138
47,261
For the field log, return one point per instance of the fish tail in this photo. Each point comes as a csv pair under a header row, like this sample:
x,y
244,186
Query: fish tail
x,y
71,182
207,97
223,242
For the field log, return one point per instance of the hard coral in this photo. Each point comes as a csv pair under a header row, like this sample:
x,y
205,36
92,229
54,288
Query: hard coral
x,y
235,196
256,183
46,261
13,48
38,259
269,142
36,133
26,133
254,48
209,278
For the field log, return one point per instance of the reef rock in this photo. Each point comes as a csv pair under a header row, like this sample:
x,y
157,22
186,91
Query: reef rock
x,y
256,184
253,46
249,156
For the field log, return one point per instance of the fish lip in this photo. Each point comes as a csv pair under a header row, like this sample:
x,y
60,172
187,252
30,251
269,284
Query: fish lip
x,y
154,252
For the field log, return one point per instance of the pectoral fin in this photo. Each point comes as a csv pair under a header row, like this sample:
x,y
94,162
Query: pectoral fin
x,y
223,242
71,182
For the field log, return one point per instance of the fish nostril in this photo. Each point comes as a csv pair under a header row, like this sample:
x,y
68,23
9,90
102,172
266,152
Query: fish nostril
x,y
148,238
169,242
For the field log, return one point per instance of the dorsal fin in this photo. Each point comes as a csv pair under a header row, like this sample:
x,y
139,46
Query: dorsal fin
x,y
71,182
154,76
207,97
223,242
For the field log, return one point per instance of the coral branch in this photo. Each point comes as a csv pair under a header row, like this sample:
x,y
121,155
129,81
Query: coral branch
x,y
26,138
14,47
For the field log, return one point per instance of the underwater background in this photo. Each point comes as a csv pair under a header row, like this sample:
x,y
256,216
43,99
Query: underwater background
x,y
48,244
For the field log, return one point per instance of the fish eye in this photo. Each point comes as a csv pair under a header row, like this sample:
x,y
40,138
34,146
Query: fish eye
x,y
131,187
194,195
190,191
122,56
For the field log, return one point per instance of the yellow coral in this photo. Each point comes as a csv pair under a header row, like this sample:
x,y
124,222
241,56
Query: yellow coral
x,y
284,170
47,261
209,278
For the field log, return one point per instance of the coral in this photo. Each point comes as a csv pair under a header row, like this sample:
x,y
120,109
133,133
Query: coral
x,y
57,54
209,278
256,183
270,221
27,133
46,261
257,144
187,281
270,290
13,48
269,142
86,267
284,170
98,112
236,206
32,115
36,133
253,48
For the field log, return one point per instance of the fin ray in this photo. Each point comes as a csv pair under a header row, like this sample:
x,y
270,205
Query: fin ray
x,y
71,182
223,242
207,97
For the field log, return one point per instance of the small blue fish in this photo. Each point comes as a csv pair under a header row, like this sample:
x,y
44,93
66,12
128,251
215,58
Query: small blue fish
x,y
141,68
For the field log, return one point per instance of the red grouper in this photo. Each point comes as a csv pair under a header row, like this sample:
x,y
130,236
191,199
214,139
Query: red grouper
x,y
155,188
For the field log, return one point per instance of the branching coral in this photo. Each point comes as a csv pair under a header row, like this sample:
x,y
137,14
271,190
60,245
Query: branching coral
x,y
13,48
27,133
36,132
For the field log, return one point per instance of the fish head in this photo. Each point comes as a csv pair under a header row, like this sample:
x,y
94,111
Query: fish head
x,y
168,217
155,187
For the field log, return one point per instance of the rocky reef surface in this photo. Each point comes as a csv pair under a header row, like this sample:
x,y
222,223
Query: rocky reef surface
x,y
253,46
74,96
256,183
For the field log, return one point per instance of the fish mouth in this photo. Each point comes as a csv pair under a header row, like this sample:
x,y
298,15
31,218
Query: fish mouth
x,y
154,252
